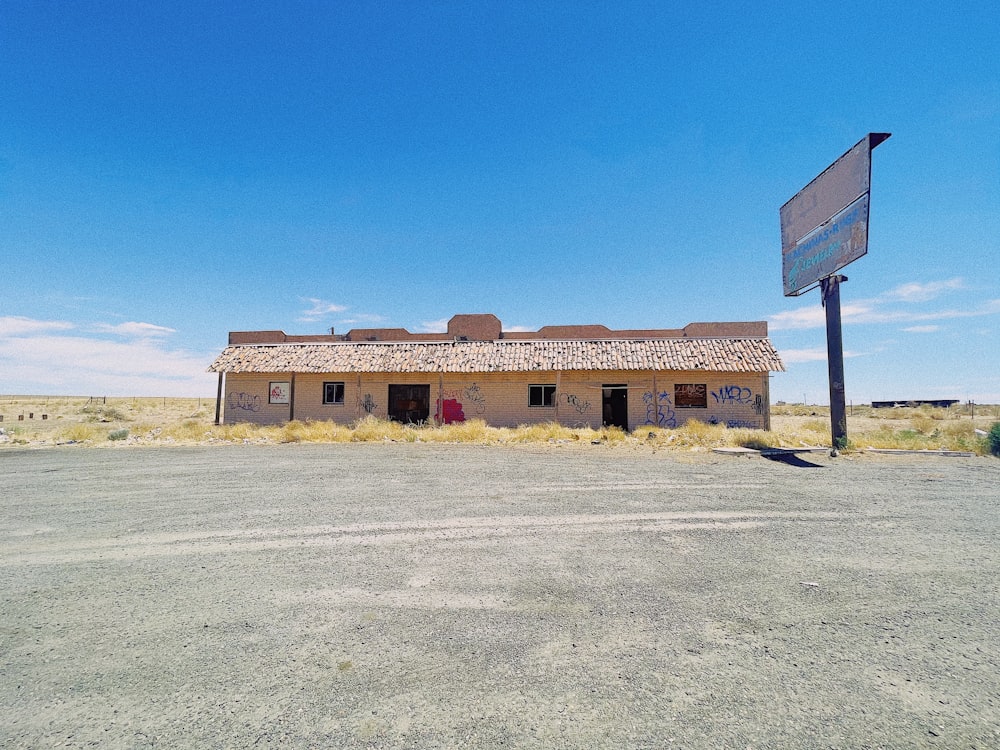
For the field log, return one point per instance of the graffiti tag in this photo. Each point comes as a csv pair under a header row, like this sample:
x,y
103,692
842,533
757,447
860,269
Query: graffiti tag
x,y
577,403
733,394
476,397
748,424
244,401
659,409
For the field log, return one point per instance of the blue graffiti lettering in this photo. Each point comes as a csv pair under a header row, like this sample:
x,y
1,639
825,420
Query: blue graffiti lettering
x,y
659,409
244,401
733,394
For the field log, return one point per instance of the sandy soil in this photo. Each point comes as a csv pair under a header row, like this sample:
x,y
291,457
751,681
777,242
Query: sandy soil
x,y
420,596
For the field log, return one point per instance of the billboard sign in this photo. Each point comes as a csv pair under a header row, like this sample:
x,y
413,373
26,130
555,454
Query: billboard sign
x,y
835,243
825,226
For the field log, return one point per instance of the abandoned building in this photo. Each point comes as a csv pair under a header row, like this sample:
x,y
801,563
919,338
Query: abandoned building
x,y
579,376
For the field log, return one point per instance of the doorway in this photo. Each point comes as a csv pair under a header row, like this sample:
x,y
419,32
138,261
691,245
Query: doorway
x,y
409,403
614,405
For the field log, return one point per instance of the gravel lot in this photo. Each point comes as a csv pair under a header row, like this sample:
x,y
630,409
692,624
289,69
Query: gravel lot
x,y
431,596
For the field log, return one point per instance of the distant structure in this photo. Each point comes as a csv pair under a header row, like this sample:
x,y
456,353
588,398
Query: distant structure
x,y
941,403
585,375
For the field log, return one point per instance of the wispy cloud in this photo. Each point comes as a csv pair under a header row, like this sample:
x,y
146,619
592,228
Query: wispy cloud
x,y
36,356
916,292
434,326
135,330
886,308
816,354
365,318
814,316
319,310
922,329
18,326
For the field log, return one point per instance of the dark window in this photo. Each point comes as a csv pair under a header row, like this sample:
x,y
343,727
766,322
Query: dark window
x,y
333,393
541,395
409,403
690,396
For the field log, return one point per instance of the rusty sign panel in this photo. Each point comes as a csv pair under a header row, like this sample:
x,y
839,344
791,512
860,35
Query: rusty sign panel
x,y
835,243
825,226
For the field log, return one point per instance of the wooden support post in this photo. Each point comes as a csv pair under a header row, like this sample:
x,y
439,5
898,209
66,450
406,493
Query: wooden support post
x,y
439,411
218,400
656,403
558,395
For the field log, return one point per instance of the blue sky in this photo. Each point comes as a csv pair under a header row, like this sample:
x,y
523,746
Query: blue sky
x,y
173,171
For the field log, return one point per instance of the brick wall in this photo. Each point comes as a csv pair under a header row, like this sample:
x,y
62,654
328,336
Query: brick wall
x,y
501,399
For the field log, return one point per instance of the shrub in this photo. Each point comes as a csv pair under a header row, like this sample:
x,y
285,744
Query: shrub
x,y
103,414
993,438
372,429
697,433
118,434
542,432
79,433
314,432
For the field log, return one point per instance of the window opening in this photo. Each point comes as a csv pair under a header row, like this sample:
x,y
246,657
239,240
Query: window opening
x,y
690,396
333,393
409,403
541,395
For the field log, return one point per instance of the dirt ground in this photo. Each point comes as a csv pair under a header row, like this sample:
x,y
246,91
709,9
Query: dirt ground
x,y
443,596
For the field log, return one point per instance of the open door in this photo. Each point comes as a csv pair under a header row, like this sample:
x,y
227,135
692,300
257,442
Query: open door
x,y
614,405
409,403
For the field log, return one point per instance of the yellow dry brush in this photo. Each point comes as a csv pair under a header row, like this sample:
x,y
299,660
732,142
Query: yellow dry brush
x,y
164,421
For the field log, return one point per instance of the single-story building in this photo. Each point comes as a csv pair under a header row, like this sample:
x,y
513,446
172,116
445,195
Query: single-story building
x,y
579,376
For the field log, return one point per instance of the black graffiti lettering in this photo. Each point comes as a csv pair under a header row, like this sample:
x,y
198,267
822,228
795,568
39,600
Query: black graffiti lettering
x,y
368,403
577,403
476,397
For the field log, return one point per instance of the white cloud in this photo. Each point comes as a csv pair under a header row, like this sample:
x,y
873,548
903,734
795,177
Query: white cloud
x,y
135,330
923,329
320,309
815,316
790,356
879,310
434,326
18,326
37,359
367,318
916,292
816,354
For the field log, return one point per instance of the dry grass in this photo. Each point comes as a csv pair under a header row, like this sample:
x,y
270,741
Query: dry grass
x,y
905,428
158,421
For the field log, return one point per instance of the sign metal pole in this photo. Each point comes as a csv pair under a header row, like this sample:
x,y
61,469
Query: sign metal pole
x,y
830,287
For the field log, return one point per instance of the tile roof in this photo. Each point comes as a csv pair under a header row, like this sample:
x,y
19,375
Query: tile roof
x,y
708,354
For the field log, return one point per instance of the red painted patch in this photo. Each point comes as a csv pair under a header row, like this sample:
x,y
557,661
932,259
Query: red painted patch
x,y
451,411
